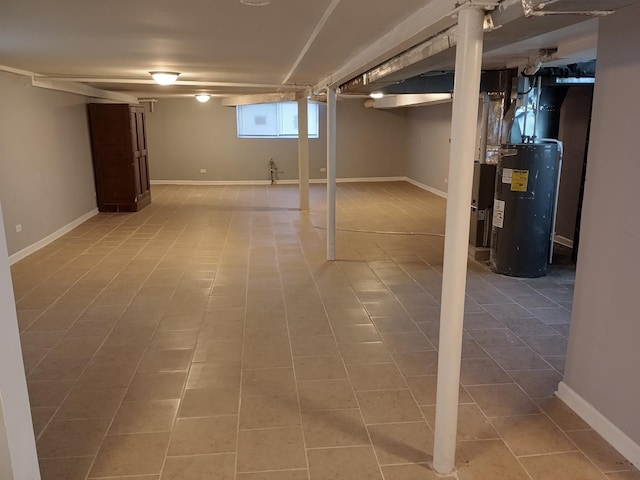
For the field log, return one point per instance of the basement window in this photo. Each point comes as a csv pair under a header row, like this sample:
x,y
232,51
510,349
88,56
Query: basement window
x,y
274,120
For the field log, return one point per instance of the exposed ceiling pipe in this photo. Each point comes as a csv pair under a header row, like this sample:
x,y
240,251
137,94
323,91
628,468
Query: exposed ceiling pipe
x,y
571,71
596,8
511,19
535,63
151,101
532,67
427,21
427,49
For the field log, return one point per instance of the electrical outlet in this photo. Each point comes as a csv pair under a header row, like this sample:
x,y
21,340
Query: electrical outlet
x,y
203,170
446,180
323,169
18,228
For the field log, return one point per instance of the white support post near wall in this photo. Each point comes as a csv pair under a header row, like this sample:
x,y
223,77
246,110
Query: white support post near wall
x,y
303,151
17,427
331,173
456,247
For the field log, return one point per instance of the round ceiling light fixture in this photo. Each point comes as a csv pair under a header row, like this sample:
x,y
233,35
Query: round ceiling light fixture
x,y
376,95
164,78
203,97
256,3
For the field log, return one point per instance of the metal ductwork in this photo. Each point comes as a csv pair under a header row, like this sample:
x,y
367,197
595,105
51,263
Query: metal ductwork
x,y
512,21
442,82
573,7
574,70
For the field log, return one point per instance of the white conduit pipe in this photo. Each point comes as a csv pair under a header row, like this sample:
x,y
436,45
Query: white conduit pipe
x,y
331,173
456,247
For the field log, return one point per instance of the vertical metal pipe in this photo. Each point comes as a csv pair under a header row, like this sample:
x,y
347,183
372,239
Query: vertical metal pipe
x,y
526,109
303,152
456,248
484,128
331,173
535,117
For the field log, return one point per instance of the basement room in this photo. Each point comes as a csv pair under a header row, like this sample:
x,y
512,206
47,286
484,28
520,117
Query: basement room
x,y
331,240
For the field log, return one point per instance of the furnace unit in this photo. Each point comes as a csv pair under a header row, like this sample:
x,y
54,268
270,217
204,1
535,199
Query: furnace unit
x,y
484,176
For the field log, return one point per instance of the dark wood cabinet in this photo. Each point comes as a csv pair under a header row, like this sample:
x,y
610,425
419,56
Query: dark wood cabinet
x,y
120,160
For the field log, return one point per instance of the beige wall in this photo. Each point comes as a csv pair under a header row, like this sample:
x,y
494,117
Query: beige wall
x,y
13,385
603,356
428,135
370,143
46,173
185,136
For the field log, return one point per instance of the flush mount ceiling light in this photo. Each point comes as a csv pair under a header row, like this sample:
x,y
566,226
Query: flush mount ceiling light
x,y
256,3
203,97
164,78
376,95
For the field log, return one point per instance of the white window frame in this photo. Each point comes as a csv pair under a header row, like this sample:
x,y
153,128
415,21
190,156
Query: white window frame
x,y
279,121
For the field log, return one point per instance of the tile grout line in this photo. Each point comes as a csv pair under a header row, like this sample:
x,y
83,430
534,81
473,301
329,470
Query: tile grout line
x,y
75,381
106,434
331,327
244,330
241,194
293,368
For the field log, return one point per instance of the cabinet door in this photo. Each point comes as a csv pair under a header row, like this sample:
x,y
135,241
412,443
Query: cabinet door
x,y
112,155
139,143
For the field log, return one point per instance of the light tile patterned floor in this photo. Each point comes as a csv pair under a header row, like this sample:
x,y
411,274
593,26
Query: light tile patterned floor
x,y
207,338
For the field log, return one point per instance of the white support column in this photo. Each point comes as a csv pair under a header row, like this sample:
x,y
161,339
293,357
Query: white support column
x,y
303,151
17,443
456,248
331,173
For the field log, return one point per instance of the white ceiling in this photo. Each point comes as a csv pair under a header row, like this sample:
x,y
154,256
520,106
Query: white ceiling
x,y
297,41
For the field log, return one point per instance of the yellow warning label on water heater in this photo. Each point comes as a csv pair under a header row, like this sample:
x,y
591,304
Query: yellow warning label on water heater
x,y
520,181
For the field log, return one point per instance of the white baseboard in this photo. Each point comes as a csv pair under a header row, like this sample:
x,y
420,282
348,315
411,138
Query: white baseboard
x,y
25,252
360,180
567,242
435,191
611,433
280,182
211,182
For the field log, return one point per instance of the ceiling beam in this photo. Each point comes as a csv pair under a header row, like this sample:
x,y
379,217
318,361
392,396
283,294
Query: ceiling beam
x,y
189,83
409,100
146,96
312,38
16,71
86,90
70,87
236,100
